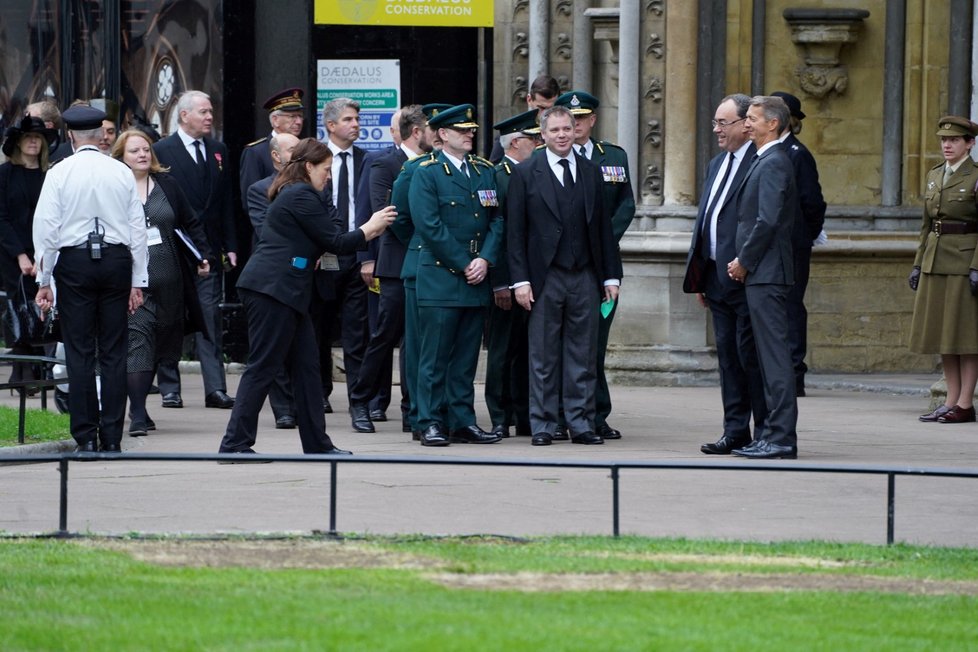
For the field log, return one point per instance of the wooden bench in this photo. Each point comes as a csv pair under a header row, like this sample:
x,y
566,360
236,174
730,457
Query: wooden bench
x,y
22,386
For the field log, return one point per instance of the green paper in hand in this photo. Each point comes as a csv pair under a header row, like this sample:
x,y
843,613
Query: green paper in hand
x,y
607,307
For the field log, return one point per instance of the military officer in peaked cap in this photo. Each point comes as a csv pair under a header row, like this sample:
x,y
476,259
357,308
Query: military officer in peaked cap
x,y
507,374
455,213
403,230
619,201
285,116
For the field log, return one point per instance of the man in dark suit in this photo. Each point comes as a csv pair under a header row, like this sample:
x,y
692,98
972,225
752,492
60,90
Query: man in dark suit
x,y
285,115
766,206
562,260
808,224
713,247
375,373
338,283
280,395
200,165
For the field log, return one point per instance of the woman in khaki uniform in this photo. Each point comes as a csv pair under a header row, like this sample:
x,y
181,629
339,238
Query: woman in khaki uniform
x,y
945,272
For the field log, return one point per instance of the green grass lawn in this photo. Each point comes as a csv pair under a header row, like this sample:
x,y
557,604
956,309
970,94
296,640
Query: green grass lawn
x,y
39,425
71,595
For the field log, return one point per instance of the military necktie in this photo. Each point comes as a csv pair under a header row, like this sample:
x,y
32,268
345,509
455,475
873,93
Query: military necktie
x,y
583,151
947,175
465,169
568,177
343,191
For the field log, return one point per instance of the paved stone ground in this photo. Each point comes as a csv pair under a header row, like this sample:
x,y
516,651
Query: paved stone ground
x,y
845,420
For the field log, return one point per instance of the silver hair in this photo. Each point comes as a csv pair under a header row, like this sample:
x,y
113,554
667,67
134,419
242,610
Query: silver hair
x,y
187,100
554,110
507,139
774,108
333,108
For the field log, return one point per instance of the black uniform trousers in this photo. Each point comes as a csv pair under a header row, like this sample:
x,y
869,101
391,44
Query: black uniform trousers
x,y
798,314
351,308
93,304
378,359
277,335
507,373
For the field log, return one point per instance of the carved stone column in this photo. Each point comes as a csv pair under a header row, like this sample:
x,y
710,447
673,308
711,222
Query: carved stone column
x,y
583,52
539,39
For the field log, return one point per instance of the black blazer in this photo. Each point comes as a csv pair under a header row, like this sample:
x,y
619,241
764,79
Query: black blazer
x,y
186,221
255,164
534,224
363,202
390,250
209,196
16,221
811,204
696,265
297,231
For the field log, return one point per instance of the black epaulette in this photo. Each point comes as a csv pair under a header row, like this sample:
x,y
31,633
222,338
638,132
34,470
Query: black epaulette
x,y
257,142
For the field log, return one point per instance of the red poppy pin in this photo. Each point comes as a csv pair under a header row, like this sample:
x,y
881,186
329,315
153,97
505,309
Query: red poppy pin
x,y
217,157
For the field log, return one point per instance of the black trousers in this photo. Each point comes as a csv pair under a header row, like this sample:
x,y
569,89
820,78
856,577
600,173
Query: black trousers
x,y
277,336
798,314
374,379
93,304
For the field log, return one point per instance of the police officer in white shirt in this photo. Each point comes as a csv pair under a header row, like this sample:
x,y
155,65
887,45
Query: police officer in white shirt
x,y
90,235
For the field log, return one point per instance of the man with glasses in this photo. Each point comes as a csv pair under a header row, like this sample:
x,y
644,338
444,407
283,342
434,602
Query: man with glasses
x,y
454,208
713,247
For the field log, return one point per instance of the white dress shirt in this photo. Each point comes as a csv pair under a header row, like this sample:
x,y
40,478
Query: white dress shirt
x,y
352,189
80,188
188,143
558,169
735,165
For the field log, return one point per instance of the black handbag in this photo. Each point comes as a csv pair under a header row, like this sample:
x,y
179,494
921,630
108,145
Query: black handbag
x,y
23,324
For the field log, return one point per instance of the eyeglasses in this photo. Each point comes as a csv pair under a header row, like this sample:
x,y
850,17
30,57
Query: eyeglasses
x,y
723,124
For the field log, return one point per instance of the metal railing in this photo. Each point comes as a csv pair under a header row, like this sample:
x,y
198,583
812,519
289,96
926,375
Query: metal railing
x,y
614,467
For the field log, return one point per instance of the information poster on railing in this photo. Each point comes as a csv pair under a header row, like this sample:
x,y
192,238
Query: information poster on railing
x,y
374,83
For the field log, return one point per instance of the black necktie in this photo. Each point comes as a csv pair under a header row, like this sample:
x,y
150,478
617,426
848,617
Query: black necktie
x,y
708,217
583,151
465,169
200,154
568,177
343,191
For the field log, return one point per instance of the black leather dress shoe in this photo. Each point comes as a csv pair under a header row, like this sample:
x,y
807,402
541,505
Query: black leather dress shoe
x,y
86,447
285,422
607,432
473,435
219,399
138,429
172,400
241,457
560,434
111,448
724,446
150,424
763,450
327,407
501,431
542,439
932,417
378,415
337,451
587,438
360,418
433,436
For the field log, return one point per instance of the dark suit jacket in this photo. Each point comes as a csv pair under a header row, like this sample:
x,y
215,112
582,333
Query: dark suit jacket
x,y
16,220
363,210
534,224
389,250
210,197
766,205
811,204
256,200
296,232
255,164
696,265
186,221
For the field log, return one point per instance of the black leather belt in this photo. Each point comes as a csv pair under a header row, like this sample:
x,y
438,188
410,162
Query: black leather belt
x,y
941,227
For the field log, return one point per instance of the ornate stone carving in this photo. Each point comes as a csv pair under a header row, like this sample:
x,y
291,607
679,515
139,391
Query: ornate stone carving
x,y
564,7
563,82
821,33
519,89
653,180
521,45
653,133
564,48
654,90
656,7
520,5
656,46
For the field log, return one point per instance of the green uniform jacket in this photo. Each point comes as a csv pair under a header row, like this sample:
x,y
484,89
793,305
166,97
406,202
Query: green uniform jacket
x,y
949,253
403,227
499,274
457,219
618,197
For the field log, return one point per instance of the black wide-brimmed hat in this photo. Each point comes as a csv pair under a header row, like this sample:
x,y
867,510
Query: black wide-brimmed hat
x,y
28,125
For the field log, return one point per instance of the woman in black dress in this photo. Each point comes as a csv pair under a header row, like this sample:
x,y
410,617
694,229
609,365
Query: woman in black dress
x,y
21,177
276,287
170,305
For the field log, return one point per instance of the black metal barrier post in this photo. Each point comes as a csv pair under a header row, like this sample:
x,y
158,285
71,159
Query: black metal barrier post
x,y
614,466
